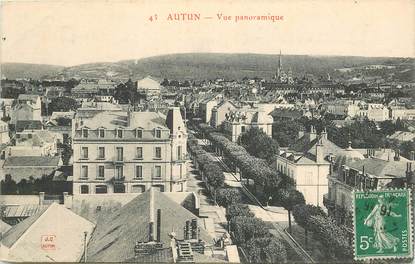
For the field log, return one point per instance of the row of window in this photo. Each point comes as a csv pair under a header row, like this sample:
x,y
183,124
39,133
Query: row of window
x,y
119,188
120,153
119,133
119,172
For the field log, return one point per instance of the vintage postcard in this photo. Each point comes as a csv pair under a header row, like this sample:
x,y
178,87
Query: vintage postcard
x,y
207,131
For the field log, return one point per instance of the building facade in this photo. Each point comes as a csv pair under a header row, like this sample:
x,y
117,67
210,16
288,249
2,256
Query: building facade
x,y
242,119
129,152
307,162
28,107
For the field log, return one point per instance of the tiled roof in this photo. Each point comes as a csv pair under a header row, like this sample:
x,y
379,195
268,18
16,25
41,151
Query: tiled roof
x,y
28,97
56,220
11,236
116,233
289,113
39,138
4,227
28,125
116,119
23,210
34,161
381,168
308,148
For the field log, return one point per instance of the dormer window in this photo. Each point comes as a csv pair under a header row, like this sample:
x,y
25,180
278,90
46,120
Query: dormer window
x,y
138,133
101,132
158,133
85,133
119,133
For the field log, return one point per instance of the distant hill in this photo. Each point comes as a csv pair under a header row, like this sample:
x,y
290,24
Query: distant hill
x,y
209,66
27,70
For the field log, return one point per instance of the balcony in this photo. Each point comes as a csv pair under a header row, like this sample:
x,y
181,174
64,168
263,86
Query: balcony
x,y
182,158
329,204
118,161
154,178
117,179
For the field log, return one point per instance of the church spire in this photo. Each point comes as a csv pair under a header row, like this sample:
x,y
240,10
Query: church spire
x,y
279,69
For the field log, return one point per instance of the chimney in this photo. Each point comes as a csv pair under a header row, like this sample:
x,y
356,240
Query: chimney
x,y
324,134
194,229
319,151
412,155
151,224
187,231
408,167
174,120
312,134
158,225
397,155
410,175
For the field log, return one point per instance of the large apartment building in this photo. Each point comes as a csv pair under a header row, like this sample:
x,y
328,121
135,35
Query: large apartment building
x,y
129,152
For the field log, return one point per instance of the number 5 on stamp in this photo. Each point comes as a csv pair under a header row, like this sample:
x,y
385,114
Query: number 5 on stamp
x,y
382,224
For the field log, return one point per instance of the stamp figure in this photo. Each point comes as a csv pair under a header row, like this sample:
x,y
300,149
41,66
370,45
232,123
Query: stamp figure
x,y
382,222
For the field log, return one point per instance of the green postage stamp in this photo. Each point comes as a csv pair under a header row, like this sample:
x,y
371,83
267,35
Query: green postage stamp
x,y
382,224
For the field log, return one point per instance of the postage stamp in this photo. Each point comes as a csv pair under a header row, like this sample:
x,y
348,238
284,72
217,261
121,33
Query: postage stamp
x,y
48,242
382,224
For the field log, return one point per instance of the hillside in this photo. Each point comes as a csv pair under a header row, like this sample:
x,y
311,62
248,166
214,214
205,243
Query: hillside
x,y
27,70
213,65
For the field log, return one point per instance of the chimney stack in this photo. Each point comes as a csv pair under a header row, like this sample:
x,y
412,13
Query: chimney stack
x,y
324,134
151,224
194,229
158,225
397,155
319,151
187,231
412,155
312,134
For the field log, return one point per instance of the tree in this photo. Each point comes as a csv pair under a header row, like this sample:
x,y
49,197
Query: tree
x,y
302,214
214,176
288,198
245,228
8,185
285,133
62,104
5,119
126,92
332,236
66,152
63,121
266,250
228,196
238,209
406,147
259,144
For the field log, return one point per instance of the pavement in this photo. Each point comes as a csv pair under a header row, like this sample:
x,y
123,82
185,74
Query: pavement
x,y
215,213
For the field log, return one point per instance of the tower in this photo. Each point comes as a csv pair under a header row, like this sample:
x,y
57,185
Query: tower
x,y
279,69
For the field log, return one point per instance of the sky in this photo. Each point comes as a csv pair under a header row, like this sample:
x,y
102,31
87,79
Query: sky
x,y
75,32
